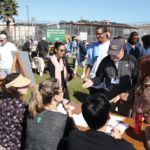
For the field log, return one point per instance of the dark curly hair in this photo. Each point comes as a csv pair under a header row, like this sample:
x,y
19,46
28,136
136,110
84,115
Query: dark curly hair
x,y
11,91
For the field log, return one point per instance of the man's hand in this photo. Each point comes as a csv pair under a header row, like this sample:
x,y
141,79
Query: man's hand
x,y
115,100
37,55
116,133
88,83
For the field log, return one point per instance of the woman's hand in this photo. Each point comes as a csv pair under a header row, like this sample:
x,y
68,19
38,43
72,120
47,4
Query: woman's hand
x,y
67,108
116,133
74,75
115,100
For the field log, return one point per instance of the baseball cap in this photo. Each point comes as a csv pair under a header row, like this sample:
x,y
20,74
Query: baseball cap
x,y
20,81
115,47
78,38
3,36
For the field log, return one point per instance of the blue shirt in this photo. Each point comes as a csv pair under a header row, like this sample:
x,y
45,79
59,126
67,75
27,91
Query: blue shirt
x,y
74,44
136,52
147,51
67,48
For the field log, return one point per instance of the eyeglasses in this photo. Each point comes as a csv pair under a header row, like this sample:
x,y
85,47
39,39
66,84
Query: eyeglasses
x,y
63,90
61,50
98,34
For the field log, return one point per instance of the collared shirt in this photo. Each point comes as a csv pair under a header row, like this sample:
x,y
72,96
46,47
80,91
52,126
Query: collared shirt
x,y
103,48
147,51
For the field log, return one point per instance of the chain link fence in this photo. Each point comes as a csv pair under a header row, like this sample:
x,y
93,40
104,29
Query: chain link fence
x,y
21,31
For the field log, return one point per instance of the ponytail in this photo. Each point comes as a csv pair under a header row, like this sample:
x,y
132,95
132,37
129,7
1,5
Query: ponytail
x,y
35,103
43,95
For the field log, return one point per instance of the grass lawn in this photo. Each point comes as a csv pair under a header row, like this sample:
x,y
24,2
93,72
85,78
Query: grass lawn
x,y
76,92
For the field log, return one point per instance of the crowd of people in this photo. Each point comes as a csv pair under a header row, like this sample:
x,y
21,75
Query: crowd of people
x,y
119,77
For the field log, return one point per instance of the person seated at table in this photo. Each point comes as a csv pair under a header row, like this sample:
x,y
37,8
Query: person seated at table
x,y
13,112
139,94
59,68
96,112
45,125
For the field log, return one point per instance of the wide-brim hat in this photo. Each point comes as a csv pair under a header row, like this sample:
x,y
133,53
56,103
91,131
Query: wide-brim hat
x,y
115,47
20,81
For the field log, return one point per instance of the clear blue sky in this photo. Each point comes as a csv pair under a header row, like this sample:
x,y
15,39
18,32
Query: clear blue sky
x,y
121,11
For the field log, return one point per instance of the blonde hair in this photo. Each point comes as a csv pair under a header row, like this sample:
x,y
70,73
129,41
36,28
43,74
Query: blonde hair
x,y
42,95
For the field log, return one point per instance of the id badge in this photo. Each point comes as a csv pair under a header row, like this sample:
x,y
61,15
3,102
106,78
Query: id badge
x,y
115,80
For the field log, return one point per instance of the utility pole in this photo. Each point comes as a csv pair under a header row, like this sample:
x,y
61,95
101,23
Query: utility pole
x,y
81,10
28,20
33,19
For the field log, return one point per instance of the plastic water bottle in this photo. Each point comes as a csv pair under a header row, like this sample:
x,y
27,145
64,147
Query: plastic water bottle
x,y
137,121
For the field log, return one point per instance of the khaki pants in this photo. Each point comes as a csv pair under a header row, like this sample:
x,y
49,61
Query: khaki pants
x,y
2,148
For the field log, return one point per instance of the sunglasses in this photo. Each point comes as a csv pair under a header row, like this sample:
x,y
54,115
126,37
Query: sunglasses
x,y
1,40
98,34
61,50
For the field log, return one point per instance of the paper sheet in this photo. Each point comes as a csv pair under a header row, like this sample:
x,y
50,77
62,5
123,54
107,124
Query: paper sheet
x,y
122,127
114,120
79,120
60,108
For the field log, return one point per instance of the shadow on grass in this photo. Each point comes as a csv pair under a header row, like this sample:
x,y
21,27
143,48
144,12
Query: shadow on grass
x,y
80,96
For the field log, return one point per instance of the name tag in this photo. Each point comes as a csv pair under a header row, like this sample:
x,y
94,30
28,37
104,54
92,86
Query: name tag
x,y
115,80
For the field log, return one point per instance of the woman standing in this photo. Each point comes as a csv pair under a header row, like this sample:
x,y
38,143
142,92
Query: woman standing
x,y
13,112
58,67
140,93
45,125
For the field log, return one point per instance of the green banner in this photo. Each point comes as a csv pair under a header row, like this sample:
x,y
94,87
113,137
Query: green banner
x,y
55,34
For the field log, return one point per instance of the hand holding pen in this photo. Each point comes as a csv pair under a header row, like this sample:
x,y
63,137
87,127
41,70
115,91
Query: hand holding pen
x,y
67,107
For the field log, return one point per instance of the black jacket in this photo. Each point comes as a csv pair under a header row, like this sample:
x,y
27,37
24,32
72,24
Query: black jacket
x,y
42,46
127,72
26,46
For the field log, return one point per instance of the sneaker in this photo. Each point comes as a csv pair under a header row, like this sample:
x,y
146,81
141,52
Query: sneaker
x,y
83,76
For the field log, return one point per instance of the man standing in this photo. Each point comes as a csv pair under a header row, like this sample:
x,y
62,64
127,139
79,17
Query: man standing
x,y
96,52
27,45
120,72
42,48
73,49
146,44
133,47
80,56
67,50
6,58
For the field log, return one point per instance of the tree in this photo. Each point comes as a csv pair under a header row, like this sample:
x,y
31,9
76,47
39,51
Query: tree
x,y
8,9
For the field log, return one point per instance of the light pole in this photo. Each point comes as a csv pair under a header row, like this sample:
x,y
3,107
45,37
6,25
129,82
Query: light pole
x,y
28,20
33,19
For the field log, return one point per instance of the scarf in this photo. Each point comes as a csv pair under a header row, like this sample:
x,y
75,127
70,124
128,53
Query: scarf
x,y
59,66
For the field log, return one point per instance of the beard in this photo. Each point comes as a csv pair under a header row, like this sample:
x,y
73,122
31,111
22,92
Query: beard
x,y
115,59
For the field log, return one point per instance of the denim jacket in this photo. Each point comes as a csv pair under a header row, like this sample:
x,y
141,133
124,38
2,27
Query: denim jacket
x,y
137,52
147,51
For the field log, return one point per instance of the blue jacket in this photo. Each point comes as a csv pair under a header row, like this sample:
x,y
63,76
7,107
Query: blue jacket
x,y
83,51
147,51
93,51
137,52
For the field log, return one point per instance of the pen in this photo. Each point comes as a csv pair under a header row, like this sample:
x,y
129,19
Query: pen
x,y
68,102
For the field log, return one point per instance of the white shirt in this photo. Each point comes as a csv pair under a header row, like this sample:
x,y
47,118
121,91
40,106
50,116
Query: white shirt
x,y
6,56
103,48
